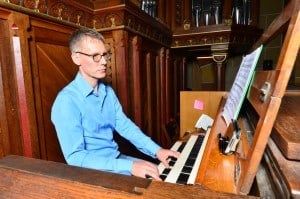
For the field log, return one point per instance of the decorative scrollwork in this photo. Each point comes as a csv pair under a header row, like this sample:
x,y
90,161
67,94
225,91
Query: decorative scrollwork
x,y
131,22
59,10
112,20
78,17
36,5
94,22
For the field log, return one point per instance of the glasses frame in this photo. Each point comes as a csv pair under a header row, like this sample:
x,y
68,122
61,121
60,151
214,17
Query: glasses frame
x,y
106,56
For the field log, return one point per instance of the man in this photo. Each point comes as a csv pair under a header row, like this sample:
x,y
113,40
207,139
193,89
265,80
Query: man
x,y
87,112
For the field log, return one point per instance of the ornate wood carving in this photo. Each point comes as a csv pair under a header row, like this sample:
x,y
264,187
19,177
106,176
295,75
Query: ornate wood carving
x,y
203,37
59,10
111,17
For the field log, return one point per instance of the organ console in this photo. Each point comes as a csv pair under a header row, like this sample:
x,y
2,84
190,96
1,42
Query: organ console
x,y
202,169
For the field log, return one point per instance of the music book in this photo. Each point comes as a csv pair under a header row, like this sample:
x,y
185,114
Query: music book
x,y
240,86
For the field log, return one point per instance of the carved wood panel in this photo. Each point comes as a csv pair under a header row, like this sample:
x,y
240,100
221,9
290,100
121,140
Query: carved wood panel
x,y
53,69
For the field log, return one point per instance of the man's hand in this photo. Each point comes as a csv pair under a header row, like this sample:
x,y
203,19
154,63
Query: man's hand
x,y
163,155
145,169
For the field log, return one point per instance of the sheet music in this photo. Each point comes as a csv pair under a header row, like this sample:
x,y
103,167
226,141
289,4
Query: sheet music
x,y
240,86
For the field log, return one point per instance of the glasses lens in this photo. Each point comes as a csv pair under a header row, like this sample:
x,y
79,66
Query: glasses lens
x,y
97,58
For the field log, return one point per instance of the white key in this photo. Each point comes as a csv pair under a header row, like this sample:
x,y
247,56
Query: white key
x,y
197,163
174,173
175,147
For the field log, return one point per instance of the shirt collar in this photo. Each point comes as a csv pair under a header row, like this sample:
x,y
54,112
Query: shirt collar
x,y
86,89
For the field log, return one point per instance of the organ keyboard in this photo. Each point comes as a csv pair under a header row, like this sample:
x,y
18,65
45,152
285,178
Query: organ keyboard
x,y
184,169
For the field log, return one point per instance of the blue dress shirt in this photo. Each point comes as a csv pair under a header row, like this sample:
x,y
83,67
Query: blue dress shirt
x,y
85,122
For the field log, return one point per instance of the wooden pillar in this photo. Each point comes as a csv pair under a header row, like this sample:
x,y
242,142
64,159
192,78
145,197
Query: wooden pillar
x,y
149,102
168,84
158,95
162,60
136,76
120,47
18,120
219,55
184,74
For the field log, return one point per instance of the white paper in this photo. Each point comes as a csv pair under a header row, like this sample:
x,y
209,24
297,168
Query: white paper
x,y
240,86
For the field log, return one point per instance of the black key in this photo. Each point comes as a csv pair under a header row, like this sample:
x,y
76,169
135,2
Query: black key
x,y
183,178
193,155
189,162
163,177
173,159
181,147
166,171
186,170
171,163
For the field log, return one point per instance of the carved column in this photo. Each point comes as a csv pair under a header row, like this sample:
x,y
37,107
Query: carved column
x,y
162,58
168,85
136,77
219,55
120,45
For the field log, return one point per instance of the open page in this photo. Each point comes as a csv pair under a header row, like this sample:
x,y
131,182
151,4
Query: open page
x,y
240,86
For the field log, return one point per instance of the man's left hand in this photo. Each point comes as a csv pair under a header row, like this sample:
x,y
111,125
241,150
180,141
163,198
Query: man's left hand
x,y
164,154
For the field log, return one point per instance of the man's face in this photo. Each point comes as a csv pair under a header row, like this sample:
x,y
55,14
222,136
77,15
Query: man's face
x,y
91,70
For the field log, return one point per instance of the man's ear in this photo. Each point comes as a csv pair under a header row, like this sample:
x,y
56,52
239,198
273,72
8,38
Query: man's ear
x,y
75,58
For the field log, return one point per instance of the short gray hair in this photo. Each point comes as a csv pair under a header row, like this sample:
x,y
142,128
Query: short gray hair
x,y
79,34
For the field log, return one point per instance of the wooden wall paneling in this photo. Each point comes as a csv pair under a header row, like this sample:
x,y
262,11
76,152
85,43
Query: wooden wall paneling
x,y
50,85
148,98
165,99
162,66
177,85
168,85
183,76
120,38
131,78
156,80
21,88
5,145
136,77
50,55
52,58
37,96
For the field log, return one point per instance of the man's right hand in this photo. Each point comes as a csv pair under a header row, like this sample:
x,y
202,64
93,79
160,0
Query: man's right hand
x,y
145,169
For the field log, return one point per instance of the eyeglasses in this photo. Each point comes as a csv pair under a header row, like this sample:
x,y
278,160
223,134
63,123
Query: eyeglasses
x,y
97,57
